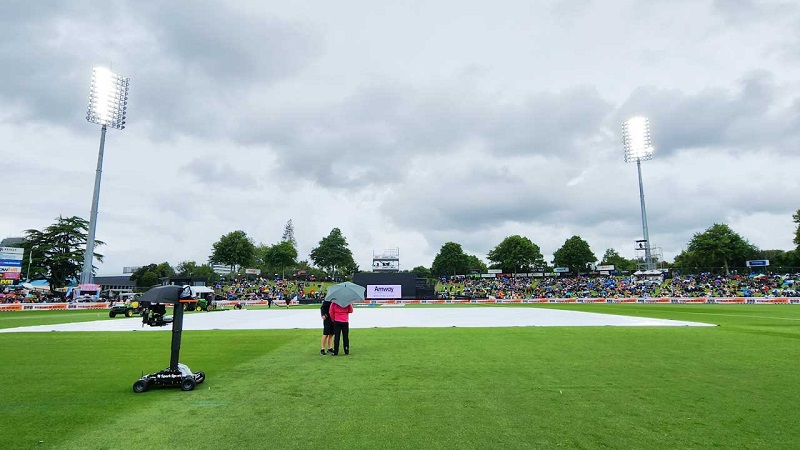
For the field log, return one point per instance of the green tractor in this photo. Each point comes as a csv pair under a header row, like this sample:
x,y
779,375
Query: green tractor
x,y
127,306
199,304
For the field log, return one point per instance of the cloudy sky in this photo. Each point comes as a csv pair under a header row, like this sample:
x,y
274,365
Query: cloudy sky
x,y
406,124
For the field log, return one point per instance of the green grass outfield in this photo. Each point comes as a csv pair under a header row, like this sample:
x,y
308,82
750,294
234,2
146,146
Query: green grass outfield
x,y
732,386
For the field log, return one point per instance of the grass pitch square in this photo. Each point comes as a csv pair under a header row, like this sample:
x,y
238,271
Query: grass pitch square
x,y
731,386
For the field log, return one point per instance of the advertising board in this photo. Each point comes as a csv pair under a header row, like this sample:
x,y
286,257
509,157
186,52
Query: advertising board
x,y
384,291
757,263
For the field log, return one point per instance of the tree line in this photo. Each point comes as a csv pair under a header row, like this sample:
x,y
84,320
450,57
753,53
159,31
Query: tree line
x,y
55,254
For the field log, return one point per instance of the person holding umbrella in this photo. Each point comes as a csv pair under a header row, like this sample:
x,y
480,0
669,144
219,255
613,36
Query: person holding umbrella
x,y
341,327
342,296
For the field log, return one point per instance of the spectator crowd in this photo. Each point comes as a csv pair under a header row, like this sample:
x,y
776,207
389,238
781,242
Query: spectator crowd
x,y
700,285
508,287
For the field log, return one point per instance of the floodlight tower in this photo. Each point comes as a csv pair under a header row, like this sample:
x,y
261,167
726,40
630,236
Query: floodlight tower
x,y
638,147
108,103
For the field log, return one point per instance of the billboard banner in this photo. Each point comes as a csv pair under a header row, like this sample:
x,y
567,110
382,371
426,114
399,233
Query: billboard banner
x,y
690,300
13,251
221,269
252,271
10,262
757,263
10,269
384,291
730,300
770,300
11,276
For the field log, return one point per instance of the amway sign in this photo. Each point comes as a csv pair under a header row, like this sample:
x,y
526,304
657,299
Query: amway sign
x,y
384,291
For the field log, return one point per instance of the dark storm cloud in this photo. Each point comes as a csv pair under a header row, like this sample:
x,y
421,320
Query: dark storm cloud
x,y
38,78
211,57
190,67
755,116
219,174
374,134
229,45
743,11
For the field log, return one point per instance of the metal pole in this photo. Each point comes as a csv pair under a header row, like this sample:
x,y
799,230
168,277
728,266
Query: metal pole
x,y
30,260
647,260
88,257
177,329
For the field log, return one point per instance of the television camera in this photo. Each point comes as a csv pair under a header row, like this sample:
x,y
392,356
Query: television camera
x,y
154,307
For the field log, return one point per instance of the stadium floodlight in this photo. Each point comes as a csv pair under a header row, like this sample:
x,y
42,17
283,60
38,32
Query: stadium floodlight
x,y
638,147
636,138
108,105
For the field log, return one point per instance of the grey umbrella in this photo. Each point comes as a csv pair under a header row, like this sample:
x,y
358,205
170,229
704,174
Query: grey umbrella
x,y
345,293
166,294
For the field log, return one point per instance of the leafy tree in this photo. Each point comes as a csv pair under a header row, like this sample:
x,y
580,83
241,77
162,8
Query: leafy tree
x,y
475,263
332,253
451,260
349,268
288,234
611,257
779,261
318,274
33,262
233,249
791,261
151,274
280,256
796,220
718,247
59,250
690,262
421,272
515,253
190,269
574,254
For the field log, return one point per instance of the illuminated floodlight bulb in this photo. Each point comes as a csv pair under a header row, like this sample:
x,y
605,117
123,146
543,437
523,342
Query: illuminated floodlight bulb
x,y
107,98
636,138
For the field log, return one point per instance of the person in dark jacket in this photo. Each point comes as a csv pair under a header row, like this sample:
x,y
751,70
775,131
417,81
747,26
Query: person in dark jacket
x,y
327,328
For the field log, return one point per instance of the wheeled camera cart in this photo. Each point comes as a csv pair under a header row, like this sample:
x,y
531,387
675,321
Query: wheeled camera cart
x,y
154,305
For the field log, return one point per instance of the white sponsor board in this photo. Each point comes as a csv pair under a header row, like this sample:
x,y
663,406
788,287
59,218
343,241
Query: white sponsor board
x,y
10,269
221,269
384,291
252,271
494,271
12,251
605,267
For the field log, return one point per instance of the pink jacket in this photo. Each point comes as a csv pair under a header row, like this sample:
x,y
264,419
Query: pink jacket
x,y
339,314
